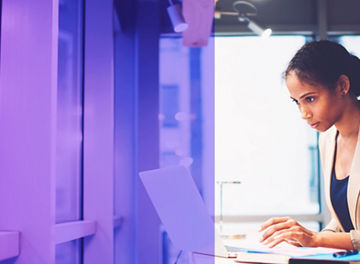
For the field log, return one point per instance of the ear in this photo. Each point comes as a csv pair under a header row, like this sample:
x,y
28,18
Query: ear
x,y
343,85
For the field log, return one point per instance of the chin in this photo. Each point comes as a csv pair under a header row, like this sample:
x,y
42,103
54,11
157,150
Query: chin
x,y
322,128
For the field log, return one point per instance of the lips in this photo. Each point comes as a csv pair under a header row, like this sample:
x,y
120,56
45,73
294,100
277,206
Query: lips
x,y
314,125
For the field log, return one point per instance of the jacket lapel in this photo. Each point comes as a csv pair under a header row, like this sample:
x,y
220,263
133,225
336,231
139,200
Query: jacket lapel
x,y
328,164
354,184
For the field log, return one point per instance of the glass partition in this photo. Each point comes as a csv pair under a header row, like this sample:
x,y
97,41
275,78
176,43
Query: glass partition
x,y
69,124
181,119
266,157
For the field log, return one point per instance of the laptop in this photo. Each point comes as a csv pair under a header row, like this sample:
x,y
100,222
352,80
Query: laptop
x,y
182,211
185,217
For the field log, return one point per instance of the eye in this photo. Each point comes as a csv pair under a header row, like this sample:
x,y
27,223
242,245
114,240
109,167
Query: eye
x,y
310,99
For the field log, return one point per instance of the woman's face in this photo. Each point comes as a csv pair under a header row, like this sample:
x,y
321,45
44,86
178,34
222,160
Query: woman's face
x,y
319,106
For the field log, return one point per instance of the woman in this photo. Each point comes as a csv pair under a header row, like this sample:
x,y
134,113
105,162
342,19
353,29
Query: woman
x,y
323,79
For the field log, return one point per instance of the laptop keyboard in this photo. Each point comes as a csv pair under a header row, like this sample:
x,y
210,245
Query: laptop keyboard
x,y
234,249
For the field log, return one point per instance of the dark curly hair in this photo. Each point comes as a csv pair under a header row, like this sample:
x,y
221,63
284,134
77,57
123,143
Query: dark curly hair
x,y
322,62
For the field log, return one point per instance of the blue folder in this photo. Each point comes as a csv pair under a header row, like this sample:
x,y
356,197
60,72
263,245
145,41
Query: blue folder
x,y
325,258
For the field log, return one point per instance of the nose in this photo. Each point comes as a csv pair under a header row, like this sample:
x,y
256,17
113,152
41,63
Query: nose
x,y
305,113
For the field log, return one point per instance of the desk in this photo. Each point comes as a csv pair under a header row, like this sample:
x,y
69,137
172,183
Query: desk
x,y
202,259
242,243
315,255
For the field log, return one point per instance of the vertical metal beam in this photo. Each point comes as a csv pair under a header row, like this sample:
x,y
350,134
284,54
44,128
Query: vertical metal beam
x,y
322,20
125,136
196,109
28,92
208,123
99,130
147,84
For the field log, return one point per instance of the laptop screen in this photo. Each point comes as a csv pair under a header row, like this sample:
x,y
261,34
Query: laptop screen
x,y
181,209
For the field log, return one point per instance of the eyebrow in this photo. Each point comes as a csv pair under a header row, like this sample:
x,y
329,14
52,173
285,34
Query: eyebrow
x,y
304,95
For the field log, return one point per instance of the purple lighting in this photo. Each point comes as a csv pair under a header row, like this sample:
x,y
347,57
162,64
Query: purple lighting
x,y
81,114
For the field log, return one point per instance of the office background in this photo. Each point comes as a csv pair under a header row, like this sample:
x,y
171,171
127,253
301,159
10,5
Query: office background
x,y
92,92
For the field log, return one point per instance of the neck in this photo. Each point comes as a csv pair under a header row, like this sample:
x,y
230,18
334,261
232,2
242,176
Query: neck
x,y
349,122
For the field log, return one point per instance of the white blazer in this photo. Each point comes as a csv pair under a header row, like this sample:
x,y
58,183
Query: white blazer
x,y
327,150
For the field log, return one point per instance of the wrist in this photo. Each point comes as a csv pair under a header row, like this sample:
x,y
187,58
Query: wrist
x,y
317,241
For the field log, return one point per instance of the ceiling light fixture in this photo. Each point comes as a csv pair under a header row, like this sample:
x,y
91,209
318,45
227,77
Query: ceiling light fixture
x,y
244,10
254,27
176,17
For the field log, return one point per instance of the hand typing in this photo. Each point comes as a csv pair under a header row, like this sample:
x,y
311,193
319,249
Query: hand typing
x,y
279,229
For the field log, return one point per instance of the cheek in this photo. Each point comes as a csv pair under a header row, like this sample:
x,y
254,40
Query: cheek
x,y
328,112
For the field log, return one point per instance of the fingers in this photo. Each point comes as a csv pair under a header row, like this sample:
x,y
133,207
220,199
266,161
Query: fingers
x,y
276,227
296,235
293,242
278,234
286,229
272,221
293,236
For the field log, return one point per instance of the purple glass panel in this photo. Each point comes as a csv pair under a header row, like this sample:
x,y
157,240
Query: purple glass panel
x,y
186,122
69,125
99,130
69,252
69,113
124,191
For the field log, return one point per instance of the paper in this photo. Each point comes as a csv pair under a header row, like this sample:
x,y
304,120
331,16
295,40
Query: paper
x,y
303,251
282,248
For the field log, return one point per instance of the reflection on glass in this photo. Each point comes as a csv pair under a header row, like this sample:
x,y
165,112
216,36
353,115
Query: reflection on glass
x,y
186,118
180,126
68,253
175,103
